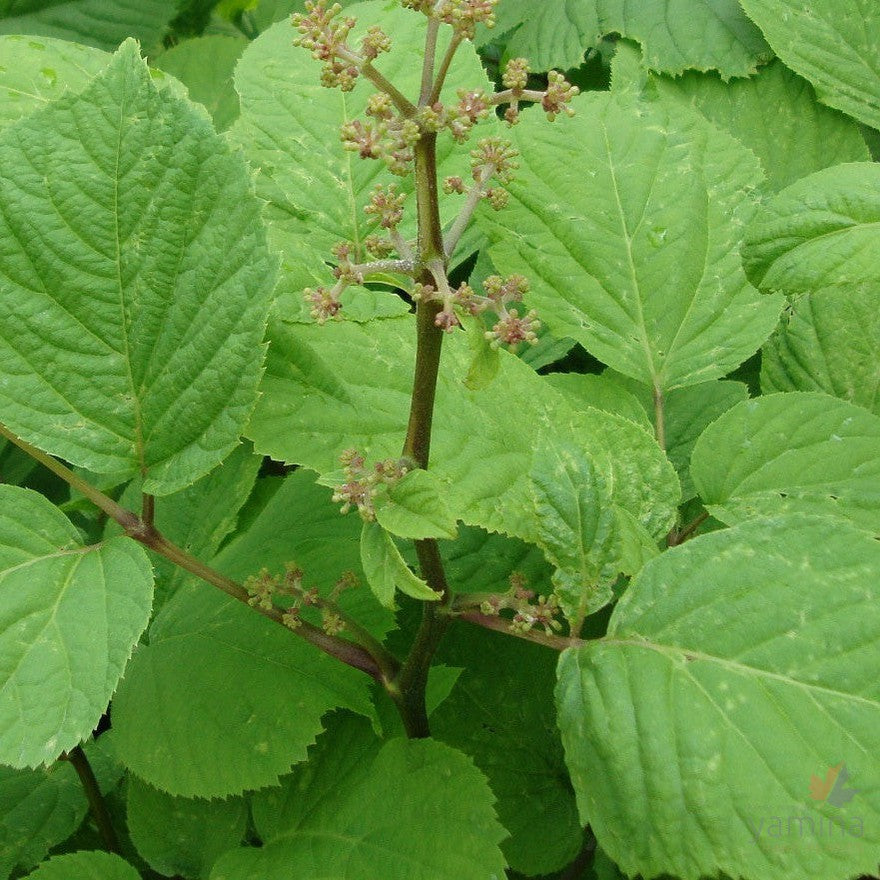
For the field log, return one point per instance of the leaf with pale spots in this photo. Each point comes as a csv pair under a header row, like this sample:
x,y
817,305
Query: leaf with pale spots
x,y
631,243
735,667
798,452
70,615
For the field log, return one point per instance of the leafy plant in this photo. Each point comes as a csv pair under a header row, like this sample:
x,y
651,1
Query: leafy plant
x,y
597,400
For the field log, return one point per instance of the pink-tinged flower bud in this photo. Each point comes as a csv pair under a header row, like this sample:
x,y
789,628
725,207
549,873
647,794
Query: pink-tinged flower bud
x,y
511,115
512,330
378,247
473,106
379,106
431,118
366,140
291,618
497,152
446,319
331,622
453,185
324,302
504,290
386,205
497,197
559,93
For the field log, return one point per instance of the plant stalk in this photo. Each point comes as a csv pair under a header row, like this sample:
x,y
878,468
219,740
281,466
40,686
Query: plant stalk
x,y
97,805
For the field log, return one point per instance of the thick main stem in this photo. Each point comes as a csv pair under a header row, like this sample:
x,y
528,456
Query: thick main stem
x,y
409,690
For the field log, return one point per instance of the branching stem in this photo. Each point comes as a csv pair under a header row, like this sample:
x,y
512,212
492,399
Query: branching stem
x,y
539,637
475,193
383,666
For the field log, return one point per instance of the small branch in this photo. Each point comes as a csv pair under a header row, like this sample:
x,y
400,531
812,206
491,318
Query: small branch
x,y
148,509
679,536
359,656
428,64
476,192
406,265
97,804
451,49
539,637
402,247
508,95
403,104
659,417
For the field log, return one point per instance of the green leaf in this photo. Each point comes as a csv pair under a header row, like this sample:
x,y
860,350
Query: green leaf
x,y
687,412
631,243
414,507
205,710
70,615
348,385
182,836
576,526
776,115
36,72
205,66
828,341
832,43
289,129
38,810
386,568
736,668
101,23
134,293
361,810
819,232
796,452
675,34
599,391
93,865
514,741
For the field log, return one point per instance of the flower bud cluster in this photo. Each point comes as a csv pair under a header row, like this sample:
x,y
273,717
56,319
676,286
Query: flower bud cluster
x,y
462,15
264,588
510,329
529,610
364,484
325,34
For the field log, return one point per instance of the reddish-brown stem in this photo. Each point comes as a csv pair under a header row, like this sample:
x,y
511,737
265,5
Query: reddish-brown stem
x,y
77,758
383,667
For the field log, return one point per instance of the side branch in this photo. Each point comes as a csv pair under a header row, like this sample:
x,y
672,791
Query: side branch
x,y
382,667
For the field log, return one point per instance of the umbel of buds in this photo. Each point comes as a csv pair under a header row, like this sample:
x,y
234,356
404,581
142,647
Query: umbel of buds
x,y
364,484
392,130
264,589
530,611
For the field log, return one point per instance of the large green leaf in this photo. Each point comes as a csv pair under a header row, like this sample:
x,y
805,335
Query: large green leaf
x,y
821,231
133,292
776,115
101,23
794,452
632,242
514,741
224,700
833,43
205,65
348,385
405,810
740,673
676,35
91,865
182,836
289,129
36,72
70,615
828,341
